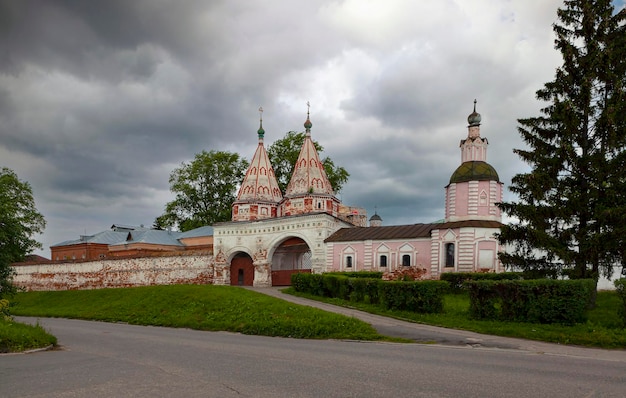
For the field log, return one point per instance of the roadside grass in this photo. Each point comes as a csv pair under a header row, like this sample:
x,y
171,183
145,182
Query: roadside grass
x,y
202,307
16,336
602,329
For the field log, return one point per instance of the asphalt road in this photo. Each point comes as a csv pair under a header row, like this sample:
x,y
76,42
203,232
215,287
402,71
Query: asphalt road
x,y
117,360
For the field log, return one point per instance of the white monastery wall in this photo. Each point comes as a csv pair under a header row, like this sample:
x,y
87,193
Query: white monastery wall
x,y
129,272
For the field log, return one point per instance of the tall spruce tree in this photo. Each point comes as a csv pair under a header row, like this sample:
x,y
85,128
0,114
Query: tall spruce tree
x,y
571,208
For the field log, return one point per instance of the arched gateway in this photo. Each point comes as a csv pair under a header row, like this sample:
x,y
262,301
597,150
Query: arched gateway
x,y
276,247
270,236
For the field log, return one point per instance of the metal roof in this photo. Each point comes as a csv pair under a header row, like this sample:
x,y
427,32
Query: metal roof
x,y
403,231
194,233
151,236
104,237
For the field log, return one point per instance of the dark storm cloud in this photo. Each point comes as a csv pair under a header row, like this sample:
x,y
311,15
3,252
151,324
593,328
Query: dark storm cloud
x,y
101,100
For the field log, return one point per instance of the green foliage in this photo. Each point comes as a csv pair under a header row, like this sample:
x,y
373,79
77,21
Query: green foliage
x,y
536,301
602,329
205,190
284,153
16,337
571,208
202,307
19,222
358,274
4,310
457,279
422,296
620,289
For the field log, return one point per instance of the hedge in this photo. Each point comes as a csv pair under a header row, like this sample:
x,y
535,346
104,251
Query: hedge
x,y
535,301
358,274
457,279
421,296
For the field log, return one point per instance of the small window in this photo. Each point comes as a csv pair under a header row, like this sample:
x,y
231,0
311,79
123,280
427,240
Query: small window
x,y
406,260
383,260
348,261
449,254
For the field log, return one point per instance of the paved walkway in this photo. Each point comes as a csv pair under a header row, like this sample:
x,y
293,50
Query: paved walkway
x,y
459,338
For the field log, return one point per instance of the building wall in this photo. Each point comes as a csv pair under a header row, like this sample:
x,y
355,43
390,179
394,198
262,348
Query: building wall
x,y
366,255
259,239
475,249
83,251
130,272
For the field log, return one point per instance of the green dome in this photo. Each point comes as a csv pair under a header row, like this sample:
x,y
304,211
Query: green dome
x,y
474,171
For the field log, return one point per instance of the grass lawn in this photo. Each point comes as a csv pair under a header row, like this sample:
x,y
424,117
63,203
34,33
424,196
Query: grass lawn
x,y
208,307
16,337
602,329
202,307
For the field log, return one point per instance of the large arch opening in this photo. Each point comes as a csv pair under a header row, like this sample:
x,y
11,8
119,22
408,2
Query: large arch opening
x,y
290,257
241,270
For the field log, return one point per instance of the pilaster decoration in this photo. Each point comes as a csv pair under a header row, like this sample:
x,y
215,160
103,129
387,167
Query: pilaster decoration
x,y
262,273
221,269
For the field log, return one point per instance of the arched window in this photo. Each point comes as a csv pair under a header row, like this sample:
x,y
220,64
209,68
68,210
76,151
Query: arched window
x,y
449,254
406,260
348,261
383,260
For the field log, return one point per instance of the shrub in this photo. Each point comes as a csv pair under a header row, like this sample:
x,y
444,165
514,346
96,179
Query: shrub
x,y
364,290
536,301
620,289
358,274
457,279
421,297
308,283
4,310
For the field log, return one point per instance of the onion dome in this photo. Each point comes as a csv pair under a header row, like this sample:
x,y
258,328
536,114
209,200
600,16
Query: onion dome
x,y
474,118
474,170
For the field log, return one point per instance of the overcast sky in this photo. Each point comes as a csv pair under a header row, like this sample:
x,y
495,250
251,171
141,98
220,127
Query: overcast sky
x,y
101,100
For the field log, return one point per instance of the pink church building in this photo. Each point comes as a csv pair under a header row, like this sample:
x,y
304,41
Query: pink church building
x,y
307,229
463,242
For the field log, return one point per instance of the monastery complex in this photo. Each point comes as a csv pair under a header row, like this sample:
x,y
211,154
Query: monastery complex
x,y
273,234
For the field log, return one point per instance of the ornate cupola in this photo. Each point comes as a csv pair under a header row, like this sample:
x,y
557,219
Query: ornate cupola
x,y
259,194
474,187
309,189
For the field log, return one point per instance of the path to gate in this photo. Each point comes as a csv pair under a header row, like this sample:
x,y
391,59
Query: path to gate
x,y
437,335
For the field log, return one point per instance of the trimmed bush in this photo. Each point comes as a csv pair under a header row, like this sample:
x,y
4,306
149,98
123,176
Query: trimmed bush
x,y
457,279
358,274
308,283
535,301
421,297
364,290
620,289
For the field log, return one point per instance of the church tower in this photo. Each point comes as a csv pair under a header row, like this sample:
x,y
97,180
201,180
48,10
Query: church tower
x,y
474,187
259,194
309,190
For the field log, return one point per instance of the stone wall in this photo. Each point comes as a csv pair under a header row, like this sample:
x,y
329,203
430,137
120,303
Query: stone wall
x,y
109,273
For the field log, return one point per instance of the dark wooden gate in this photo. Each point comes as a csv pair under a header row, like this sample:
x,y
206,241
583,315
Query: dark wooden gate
x,y
241,271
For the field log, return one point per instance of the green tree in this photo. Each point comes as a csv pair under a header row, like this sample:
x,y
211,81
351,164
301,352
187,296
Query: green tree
x,y
284,153
571,212
19,222
205,189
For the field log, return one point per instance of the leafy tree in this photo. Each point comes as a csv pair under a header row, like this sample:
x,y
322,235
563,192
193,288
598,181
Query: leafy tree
x,y
572,210
284,153
205,189
19,221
